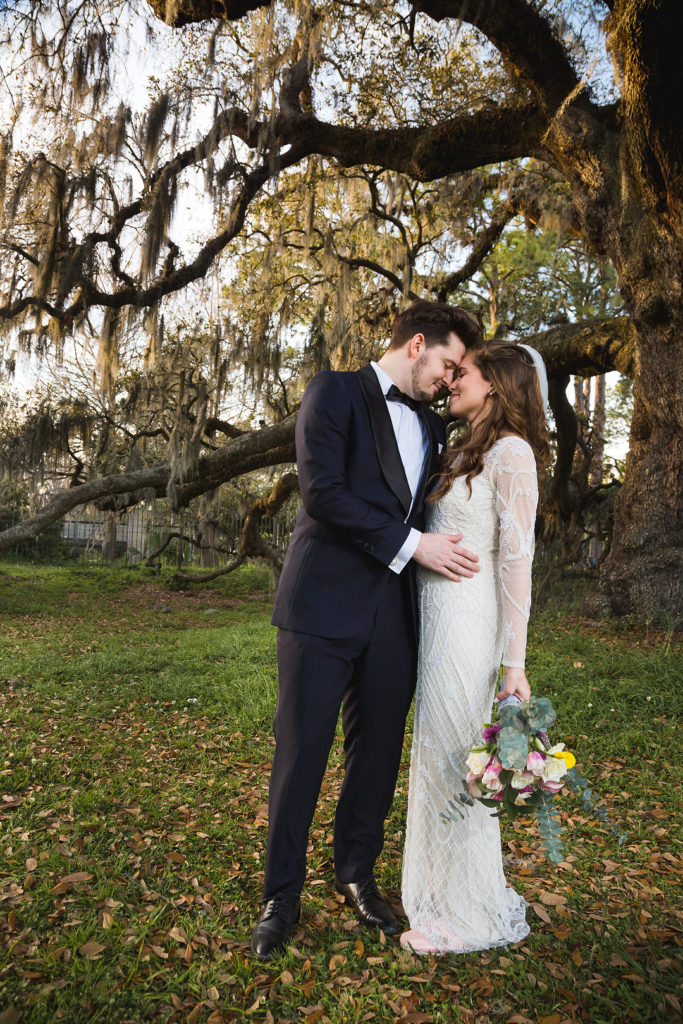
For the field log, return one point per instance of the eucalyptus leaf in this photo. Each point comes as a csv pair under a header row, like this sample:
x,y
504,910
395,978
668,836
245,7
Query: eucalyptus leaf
x,y
539,713
513,748
550,829
580,786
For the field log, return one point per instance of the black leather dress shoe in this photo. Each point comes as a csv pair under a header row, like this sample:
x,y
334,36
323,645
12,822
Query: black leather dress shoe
x,y
275,925
371,908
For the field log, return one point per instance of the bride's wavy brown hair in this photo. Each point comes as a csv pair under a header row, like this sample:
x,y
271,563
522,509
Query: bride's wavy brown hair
x,y
515,407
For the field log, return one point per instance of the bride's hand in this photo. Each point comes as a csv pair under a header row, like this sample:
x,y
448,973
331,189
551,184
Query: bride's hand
x,y
515,683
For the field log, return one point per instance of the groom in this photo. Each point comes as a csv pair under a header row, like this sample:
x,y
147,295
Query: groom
x,y
367,449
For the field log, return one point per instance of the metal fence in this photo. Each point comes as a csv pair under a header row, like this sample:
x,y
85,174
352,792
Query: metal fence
x,y
178,538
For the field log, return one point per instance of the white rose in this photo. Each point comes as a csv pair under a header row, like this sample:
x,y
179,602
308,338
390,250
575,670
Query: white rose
x,y
521,779
477,761
554,769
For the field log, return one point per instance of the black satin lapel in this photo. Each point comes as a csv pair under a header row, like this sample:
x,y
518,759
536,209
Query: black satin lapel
x,y
430,467
385,439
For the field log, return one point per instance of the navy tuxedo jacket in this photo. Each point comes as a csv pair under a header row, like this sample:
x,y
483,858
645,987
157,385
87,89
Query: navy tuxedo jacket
x,y
355,502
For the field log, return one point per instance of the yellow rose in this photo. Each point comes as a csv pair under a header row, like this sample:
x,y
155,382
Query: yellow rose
x,y
567,757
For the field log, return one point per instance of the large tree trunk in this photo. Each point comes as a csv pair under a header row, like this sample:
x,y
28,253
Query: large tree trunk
x,y
598,432
597,464
643,570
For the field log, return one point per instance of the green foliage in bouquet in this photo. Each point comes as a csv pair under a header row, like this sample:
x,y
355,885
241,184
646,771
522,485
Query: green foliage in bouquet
x,y
517,723
581,787
549,828
516,770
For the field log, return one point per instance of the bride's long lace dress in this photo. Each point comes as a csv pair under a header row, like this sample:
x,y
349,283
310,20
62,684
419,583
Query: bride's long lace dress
x,y
454,890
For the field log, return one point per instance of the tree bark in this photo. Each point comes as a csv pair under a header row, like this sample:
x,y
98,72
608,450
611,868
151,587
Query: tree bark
x,y
644,568
183,12
587,348
598,432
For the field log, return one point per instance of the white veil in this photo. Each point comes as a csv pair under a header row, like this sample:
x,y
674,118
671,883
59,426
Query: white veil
x,y
537,359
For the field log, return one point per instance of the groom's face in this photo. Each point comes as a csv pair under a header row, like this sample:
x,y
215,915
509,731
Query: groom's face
x,y
434,367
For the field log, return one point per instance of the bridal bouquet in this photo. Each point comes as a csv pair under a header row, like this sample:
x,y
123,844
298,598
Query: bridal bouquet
x,y
517,770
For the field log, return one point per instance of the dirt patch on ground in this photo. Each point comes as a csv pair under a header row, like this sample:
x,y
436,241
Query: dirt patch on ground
x,y
154,597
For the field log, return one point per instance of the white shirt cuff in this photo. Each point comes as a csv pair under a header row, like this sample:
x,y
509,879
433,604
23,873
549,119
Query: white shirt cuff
x,y
399,562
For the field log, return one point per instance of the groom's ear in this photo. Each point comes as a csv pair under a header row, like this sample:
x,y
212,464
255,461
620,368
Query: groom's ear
x,y
416,345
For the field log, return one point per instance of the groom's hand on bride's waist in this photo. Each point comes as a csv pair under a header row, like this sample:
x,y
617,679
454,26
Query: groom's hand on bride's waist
x,y
441,552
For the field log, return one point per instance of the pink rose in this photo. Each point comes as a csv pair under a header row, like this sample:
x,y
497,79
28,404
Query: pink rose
x,y
490,777
535,762
551,787
493,770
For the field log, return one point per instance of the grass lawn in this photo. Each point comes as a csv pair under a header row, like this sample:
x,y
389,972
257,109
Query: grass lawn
x,y
135,753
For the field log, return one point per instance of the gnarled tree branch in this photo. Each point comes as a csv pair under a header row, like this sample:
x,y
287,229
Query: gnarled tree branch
x,y
534,55
183,12
587,348
270,446
253,545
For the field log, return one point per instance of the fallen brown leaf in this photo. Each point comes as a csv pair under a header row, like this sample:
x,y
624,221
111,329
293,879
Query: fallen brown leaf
x,y
10,1016
552,899
541,912
673,1001
313,1013
68,882
91,949
177,858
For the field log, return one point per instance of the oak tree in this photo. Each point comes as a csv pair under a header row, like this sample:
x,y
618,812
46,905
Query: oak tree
x,y
427,90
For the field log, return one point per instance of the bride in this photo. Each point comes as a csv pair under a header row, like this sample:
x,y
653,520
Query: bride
x,y
454,890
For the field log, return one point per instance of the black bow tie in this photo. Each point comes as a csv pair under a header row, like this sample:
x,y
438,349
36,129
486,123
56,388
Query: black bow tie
x,y
395,395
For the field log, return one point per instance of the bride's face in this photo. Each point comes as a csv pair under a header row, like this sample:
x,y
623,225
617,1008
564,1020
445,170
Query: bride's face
x,y
469,391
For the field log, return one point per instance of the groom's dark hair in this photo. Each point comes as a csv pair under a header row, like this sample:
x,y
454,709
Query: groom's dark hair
x,y
435,320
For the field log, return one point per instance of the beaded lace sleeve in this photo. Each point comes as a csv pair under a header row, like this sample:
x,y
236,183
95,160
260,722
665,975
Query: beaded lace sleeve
x,y
513,473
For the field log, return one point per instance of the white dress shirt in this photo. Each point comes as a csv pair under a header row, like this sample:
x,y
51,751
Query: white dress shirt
x,y
413,447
